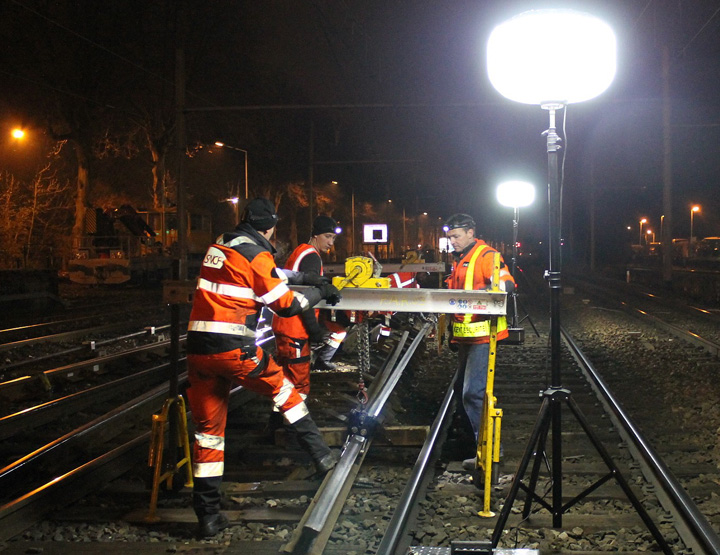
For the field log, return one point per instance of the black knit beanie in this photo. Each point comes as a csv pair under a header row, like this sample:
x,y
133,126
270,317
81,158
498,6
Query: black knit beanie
x,y
324,224
260,214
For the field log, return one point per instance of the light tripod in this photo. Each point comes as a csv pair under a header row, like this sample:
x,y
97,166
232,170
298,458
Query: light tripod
x,y
550,415
516,334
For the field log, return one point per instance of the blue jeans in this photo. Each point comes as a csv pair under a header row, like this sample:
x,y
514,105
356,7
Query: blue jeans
x,y
473,370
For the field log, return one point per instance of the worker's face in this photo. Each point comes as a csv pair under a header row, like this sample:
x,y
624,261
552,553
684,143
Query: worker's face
x,y
324,242
267,234
460,237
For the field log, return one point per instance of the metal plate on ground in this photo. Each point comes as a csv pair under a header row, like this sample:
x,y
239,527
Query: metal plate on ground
x,y
422,550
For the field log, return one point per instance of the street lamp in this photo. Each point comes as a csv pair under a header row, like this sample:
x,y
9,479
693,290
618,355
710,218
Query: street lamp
x,y
515,195
649,233
525,65
694,209
642,221
245,157
17,133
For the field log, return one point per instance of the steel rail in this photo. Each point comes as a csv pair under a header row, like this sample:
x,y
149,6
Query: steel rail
x,y
19,514
396,532
50,323
691,337
29,462
32,417
337,484
694,529
62,336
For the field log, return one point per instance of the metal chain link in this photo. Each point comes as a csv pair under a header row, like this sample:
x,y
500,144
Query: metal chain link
x,y
363,359
364,348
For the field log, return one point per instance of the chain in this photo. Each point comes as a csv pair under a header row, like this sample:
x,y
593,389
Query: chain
x,y
363,358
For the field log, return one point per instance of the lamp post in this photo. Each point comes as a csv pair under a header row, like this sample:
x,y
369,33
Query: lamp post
x,y
524,66
642,222
650,233
515,195
662,226
245,157
695,208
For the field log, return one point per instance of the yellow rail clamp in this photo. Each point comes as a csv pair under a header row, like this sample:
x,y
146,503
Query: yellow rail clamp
x,y
360,272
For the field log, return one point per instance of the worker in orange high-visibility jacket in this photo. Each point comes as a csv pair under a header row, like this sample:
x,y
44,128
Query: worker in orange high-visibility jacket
x,y
238,277
294,335
472,270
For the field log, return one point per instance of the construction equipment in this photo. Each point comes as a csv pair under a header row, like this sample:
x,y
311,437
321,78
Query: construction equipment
x,y
362,271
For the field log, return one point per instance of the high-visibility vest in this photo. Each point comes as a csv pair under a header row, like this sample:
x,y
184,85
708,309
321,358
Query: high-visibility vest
x,y
468,328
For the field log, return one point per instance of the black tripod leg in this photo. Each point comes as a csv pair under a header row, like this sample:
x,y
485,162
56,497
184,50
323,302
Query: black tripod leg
x,y
539,455
580,417
527,316
540,430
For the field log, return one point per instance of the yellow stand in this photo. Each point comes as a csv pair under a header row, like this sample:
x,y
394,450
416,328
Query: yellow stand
x,y
157,446
488,448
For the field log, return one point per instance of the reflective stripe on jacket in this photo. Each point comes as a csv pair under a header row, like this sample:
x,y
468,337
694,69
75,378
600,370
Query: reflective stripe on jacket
x,y
473,271
297,262
235,282
403,280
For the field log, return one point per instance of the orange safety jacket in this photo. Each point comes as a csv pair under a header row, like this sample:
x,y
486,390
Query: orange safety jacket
x,y
473,270
305,258
404,280
237,279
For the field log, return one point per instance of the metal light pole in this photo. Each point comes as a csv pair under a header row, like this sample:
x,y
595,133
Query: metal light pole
x,y
694,209
643,221
515,195
245,180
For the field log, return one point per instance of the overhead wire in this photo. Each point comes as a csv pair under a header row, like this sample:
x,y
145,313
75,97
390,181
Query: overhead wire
x,y
97,45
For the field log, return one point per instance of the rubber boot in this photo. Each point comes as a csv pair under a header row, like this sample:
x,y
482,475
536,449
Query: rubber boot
x,y
206,503
312,441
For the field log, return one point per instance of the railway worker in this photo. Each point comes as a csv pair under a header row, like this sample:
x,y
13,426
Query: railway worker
x,y
472,270
237,278
294,335
324,231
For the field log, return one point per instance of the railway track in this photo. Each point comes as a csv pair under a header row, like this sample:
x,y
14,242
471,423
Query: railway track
x,y
269,488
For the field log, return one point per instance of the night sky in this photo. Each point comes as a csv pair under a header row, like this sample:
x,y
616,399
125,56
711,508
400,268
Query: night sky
x,y
400,93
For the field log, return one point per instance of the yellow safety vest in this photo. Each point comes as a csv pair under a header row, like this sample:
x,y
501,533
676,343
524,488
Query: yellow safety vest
x,y
468,328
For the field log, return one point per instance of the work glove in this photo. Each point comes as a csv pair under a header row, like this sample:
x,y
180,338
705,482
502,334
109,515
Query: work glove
x,y
318,337
330,293
509,287
316,280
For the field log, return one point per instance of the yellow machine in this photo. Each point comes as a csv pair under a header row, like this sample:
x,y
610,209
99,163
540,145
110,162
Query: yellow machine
x,y
362,271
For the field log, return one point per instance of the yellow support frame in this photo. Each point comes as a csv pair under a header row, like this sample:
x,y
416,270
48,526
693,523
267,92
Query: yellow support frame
x,y
488,447
157,447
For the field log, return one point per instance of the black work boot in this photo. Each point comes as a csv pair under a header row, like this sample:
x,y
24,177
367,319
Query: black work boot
x,y
323,358
206,503
312,441
210,525
326,464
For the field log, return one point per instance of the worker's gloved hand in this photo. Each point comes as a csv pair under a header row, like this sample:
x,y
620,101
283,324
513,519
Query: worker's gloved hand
x,y
316,280
319,337
509,287
330,293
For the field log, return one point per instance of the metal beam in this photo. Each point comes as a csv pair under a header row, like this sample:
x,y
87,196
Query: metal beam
x,y
443,301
